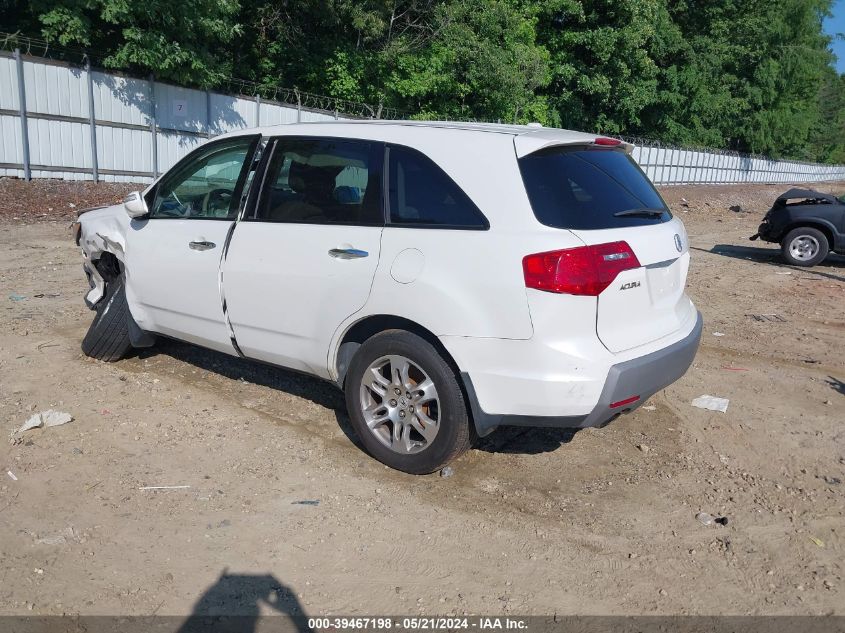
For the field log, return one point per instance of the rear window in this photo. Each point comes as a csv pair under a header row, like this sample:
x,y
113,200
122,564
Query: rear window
x,y
586,189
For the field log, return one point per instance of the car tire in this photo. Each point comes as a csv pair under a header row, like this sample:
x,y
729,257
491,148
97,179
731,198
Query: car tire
x,y
108,336
804,246
414,426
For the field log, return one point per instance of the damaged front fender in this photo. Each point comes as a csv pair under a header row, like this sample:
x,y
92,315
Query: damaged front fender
x,y
101,235
101,231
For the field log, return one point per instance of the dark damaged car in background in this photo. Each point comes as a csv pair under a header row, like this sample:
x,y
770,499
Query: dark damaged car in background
x,y
807,224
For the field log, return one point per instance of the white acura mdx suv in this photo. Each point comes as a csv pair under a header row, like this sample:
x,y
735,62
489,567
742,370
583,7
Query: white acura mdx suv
x,y
449,277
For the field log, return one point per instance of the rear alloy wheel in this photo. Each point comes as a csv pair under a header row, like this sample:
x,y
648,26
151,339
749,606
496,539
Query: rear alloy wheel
x,y
804,246
400,404
405,403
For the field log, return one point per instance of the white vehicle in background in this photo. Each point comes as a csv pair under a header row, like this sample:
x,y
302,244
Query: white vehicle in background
x,y
450,278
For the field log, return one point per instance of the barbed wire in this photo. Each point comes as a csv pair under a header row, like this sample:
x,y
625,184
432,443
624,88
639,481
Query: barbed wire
x,y
312,101
644,142
40,48
35,47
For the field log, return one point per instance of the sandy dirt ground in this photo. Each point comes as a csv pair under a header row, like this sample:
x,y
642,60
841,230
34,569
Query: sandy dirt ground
x,y
279,498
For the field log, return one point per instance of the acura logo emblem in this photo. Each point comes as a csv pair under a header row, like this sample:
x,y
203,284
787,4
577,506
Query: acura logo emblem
x,y
678,244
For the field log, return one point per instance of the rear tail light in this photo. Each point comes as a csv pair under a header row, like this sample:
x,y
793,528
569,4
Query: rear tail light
x,y
586,270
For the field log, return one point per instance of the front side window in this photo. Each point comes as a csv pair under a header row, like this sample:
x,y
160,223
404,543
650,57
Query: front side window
x,y
323,181
590,189
423,195
207,185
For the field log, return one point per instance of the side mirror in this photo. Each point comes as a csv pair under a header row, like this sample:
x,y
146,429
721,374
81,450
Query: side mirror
x,y
135,205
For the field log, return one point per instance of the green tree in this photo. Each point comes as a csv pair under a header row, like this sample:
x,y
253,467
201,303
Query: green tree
x,y
180,41
477,64
743,74
828,139
783,85
603,71
751,75
430,58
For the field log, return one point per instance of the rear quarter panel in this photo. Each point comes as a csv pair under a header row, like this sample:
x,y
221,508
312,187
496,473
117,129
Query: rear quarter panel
x,y
465,283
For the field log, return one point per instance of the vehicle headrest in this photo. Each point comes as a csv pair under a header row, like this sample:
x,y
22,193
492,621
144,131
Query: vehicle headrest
x,y
304,178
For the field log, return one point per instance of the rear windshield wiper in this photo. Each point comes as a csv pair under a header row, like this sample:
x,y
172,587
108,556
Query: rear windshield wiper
x,y
644,211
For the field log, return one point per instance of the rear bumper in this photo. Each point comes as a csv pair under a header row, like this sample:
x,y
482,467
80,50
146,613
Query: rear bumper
x,y
642,376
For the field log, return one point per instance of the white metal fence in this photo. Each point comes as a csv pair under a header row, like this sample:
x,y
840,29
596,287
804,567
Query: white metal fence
x,y
62,121
674,165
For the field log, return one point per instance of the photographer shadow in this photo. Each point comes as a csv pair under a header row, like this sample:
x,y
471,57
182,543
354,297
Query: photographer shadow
x,y
234,604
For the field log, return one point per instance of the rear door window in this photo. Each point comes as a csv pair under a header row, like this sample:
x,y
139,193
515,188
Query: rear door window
x,y
586,189
324,181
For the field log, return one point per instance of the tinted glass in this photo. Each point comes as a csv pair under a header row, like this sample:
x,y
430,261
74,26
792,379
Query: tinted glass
x,y
323,181
422,194
583,189
205,185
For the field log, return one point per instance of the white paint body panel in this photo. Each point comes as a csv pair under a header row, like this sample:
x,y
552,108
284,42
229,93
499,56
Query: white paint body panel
x,y
286,296
176,288
630,317
289,303
560,371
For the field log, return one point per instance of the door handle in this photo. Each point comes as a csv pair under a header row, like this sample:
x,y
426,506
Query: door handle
x,y
201,245
347,253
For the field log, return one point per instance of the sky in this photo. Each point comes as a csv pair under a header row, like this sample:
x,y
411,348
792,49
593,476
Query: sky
x,y
836,24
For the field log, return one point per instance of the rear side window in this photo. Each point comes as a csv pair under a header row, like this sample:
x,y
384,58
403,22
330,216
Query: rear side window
x,y
323,181
423,195
587,189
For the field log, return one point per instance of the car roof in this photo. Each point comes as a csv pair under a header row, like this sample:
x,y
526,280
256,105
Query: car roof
x,y
529,138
